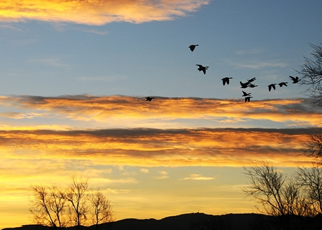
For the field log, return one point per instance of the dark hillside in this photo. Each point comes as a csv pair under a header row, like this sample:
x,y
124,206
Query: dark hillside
x,y
200,221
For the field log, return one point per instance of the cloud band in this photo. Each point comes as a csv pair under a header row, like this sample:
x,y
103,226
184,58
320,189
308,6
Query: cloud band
x,y
97,12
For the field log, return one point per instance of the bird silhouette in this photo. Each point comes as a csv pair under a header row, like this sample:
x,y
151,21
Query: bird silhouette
x,y
246,94
244,85
251,80
149,98
226,80
202,68
248,83
192,47
252,85
295,79
282,84
271,86
247,99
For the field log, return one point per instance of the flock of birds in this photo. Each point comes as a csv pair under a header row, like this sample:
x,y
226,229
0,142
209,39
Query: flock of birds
x,y
248,84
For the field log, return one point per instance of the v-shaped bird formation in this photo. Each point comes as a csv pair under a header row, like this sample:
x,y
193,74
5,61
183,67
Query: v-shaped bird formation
x,y
246,84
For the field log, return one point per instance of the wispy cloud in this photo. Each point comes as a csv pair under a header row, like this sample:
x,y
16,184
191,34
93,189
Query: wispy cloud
x,y
102,109
144,170
50,61
18,115
249,51
198,177
103,78
258,64
163,175
97,12
9,26
158,147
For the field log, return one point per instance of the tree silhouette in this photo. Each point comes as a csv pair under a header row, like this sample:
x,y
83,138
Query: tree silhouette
x,y
311,72
74,205
314,145
279,195
101,206
48,205
311,181
77,195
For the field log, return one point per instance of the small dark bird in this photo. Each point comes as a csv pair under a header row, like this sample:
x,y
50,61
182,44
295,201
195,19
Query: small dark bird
x,y
282,84
251,80
246,94
149,98
192,47
271,86
226,80
252,85
244,85
295,79
247,99
202,68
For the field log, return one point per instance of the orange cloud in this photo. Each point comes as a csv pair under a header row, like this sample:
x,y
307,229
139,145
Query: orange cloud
x,y
101,109
155,147
33,156
97,12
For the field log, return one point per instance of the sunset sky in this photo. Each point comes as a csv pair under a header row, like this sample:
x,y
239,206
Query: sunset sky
x,y
75,74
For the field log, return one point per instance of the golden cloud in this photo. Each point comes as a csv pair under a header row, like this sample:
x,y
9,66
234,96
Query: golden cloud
x,y
97,12
102,109
155,147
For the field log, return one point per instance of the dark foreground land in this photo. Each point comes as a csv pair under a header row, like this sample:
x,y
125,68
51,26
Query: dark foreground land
x,y
200,221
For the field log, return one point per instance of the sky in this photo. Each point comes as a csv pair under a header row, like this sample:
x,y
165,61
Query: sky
x,y
74,76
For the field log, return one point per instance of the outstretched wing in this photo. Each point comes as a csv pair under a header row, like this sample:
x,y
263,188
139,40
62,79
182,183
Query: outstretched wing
x,y
251,80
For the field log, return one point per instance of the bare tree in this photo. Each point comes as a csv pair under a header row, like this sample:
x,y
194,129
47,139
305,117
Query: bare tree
x,y
102,210
311,72
311,180
266,186
314,145
48,205
278,195
58,207
40,206
58,204
77,195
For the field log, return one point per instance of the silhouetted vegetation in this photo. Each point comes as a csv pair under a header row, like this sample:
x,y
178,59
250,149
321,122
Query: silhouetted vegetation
x,y
311,72
314,146
200,221
293,199
278,195
75,205
310,180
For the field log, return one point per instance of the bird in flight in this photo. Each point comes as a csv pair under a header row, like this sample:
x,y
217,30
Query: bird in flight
x,y
192,47
251,80
244,85
247,99
225,80
248,83
149,98
252,85
246,94
295,79
282,84
202,68
271,86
